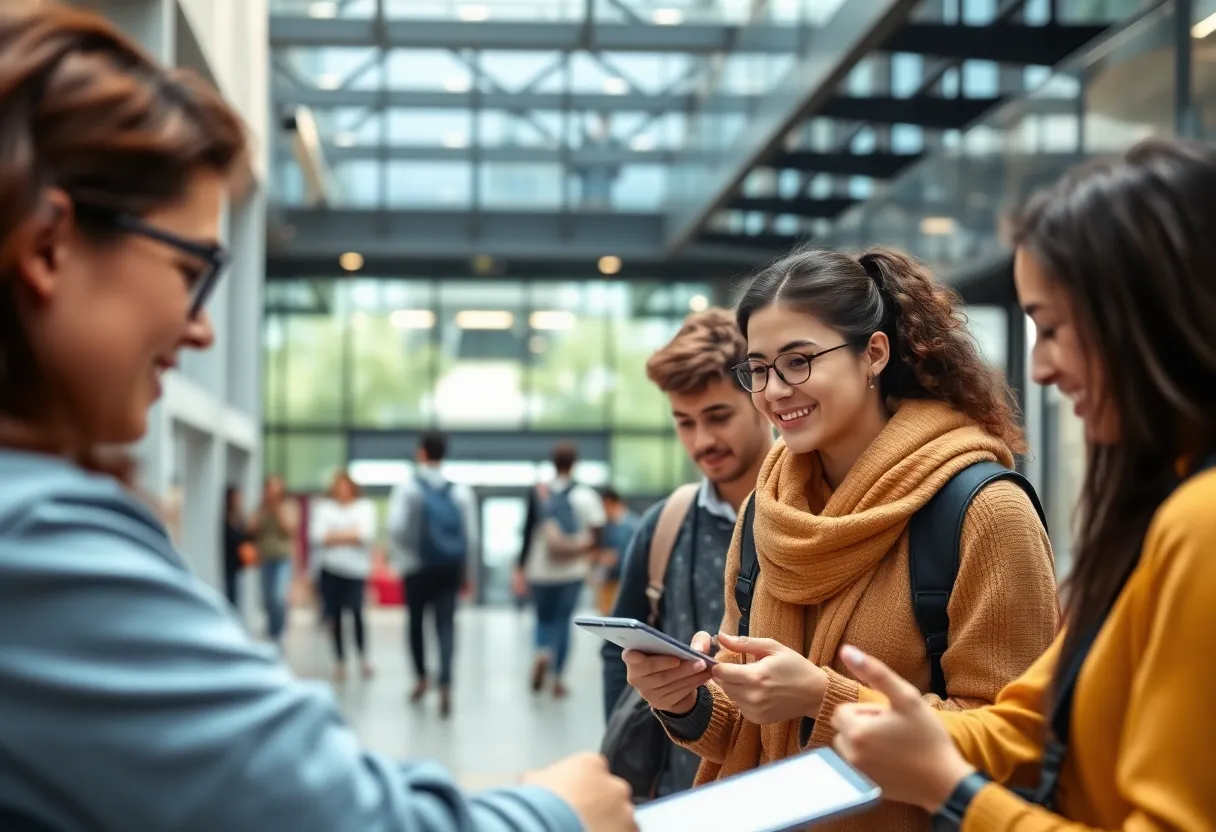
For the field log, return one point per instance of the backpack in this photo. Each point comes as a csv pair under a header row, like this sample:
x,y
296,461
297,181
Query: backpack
x,y
442,539
555,505
933,556
635,743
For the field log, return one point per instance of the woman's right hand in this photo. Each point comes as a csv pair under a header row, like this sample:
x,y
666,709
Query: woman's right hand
x,y
602,801
665,682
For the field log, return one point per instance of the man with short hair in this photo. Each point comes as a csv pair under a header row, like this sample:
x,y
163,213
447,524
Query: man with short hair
x,y
728,440
561,531
433,531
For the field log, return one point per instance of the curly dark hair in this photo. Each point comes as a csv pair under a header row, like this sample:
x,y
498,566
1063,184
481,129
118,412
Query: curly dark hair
x,y
933,356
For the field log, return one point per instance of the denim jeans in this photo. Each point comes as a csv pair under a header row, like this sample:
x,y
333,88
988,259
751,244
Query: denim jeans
x,y
276,577
555,605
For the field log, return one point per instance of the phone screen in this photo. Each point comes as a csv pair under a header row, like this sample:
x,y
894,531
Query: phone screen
x,y
775,797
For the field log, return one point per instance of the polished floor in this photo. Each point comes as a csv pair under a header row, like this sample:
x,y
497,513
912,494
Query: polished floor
x,y
498,727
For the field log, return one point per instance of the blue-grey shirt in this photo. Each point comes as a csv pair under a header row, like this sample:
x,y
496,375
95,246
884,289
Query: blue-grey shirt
x,y
131,697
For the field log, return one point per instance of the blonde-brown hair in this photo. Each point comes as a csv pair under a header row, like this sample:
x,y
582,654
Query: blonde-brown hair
x,y
344,476
705,350
85,110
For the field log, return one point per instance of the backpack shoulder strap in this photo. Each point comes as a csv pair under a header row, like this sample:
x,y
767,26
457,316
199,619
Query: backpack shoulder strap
x,y
749,568
671,517
934,538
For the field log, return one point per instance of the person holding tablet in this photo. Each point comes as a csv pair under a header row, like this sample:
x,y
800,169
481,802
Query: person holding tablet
x,y
131,695
1109,729
881,398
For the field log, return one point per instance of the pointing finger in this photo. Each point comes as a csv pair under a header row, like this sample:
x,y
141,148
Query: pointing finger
x,y
874,674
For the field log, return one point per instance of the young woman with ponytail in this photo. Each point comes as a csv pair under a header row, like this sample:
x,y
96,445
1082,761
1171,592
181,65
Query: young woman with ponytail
x,y
880,395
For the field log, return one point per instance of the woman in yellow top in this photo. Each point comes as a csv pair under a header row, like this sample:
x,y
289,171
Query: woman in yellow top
x,y
1116,266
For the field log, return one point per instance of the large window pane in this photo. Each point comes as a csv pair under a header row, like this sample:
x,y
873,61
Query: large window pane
x,y
568,330
642,464
310,460
313,370
651,313
392,353
480,371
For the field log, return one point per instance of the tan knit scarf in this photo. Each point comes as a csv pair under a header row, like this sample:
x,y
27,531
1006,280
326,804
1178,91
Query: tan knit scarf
x,y
828,558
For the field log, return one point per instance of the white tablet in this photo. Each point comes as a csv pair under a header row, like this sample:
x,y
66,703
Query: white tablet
x,y
797,792
631,634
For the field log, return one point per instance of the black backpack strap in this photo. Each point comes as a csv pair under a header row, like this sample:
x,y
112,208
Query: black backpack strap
x,y
933,554
749,568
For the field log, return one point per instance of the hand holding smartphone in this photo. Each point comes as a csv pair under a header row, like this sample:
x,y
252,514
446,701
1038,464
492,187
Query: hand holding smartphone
x,y
666,672
631,634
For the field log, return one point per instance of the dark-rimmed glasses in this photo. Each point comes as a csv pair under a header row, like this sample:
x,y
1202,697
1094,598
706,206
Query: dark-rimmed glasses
x,y
791,367
214,257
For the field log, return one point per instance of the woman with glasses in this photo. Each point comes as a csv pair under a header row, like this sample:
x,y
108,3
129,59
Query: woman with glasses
x,y
1111,728
131,697
881,397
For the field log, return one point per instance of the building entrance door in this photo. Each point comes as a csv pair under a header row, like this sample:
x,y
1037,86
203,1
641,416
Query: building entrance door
x,y
503,512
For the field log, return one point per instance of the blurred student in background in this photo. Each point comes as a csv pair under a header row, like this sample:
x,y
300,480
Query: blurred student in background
x,y
618,531
341,530
273,530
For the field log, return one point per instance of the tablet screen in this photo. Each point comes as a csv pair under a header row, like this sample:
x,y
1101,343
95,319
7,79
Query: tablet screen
x,y
774,797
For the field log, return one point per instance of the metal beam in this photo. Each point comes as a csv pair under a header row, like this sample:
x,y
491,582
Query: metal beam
x,y
413,234
698,38
766,242
825,208
500,99
878,165
610,156
930,111
857,28
1010,43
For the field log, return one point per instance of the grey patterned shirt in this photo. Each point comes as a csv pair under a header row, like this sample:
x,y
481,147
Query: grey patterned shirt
x,y
693,599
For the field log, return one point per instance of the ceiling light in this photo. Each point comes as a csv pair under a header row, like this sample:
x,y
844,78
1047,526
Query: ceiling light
x,y
642,143
616,86
551,319
667,17
329,81
698,303
352,261
345,140
474,13
455,140
323,10
937,226
1204,27
412,318
484,319
457,83
609,264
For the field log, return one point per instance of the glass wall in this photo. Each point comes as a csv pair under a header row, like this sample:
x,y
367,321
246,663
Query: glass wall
x,y
952,208
524,358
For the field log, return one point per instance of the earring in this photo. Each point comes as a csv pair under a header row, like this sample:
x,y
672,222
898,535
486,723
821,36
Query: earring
x,y
871,382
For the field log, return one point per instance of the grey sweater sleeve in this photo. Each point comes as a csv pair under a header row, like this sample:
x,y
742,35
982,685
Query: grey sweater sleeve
x,y
691,726
132,698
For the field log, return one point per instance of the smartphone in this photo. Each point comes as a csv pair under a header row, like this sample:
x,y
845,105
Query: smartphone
x,y
632,634
794,793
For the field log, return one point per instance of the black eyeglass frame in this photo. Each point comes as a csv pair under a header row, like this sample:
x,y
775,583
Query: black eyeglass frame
x,y
743,371
215,257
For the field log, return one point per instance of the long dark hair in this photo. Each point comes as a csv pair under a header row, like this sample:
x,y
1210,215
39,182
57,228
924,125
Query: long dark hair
x,y
1132,240
933,356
